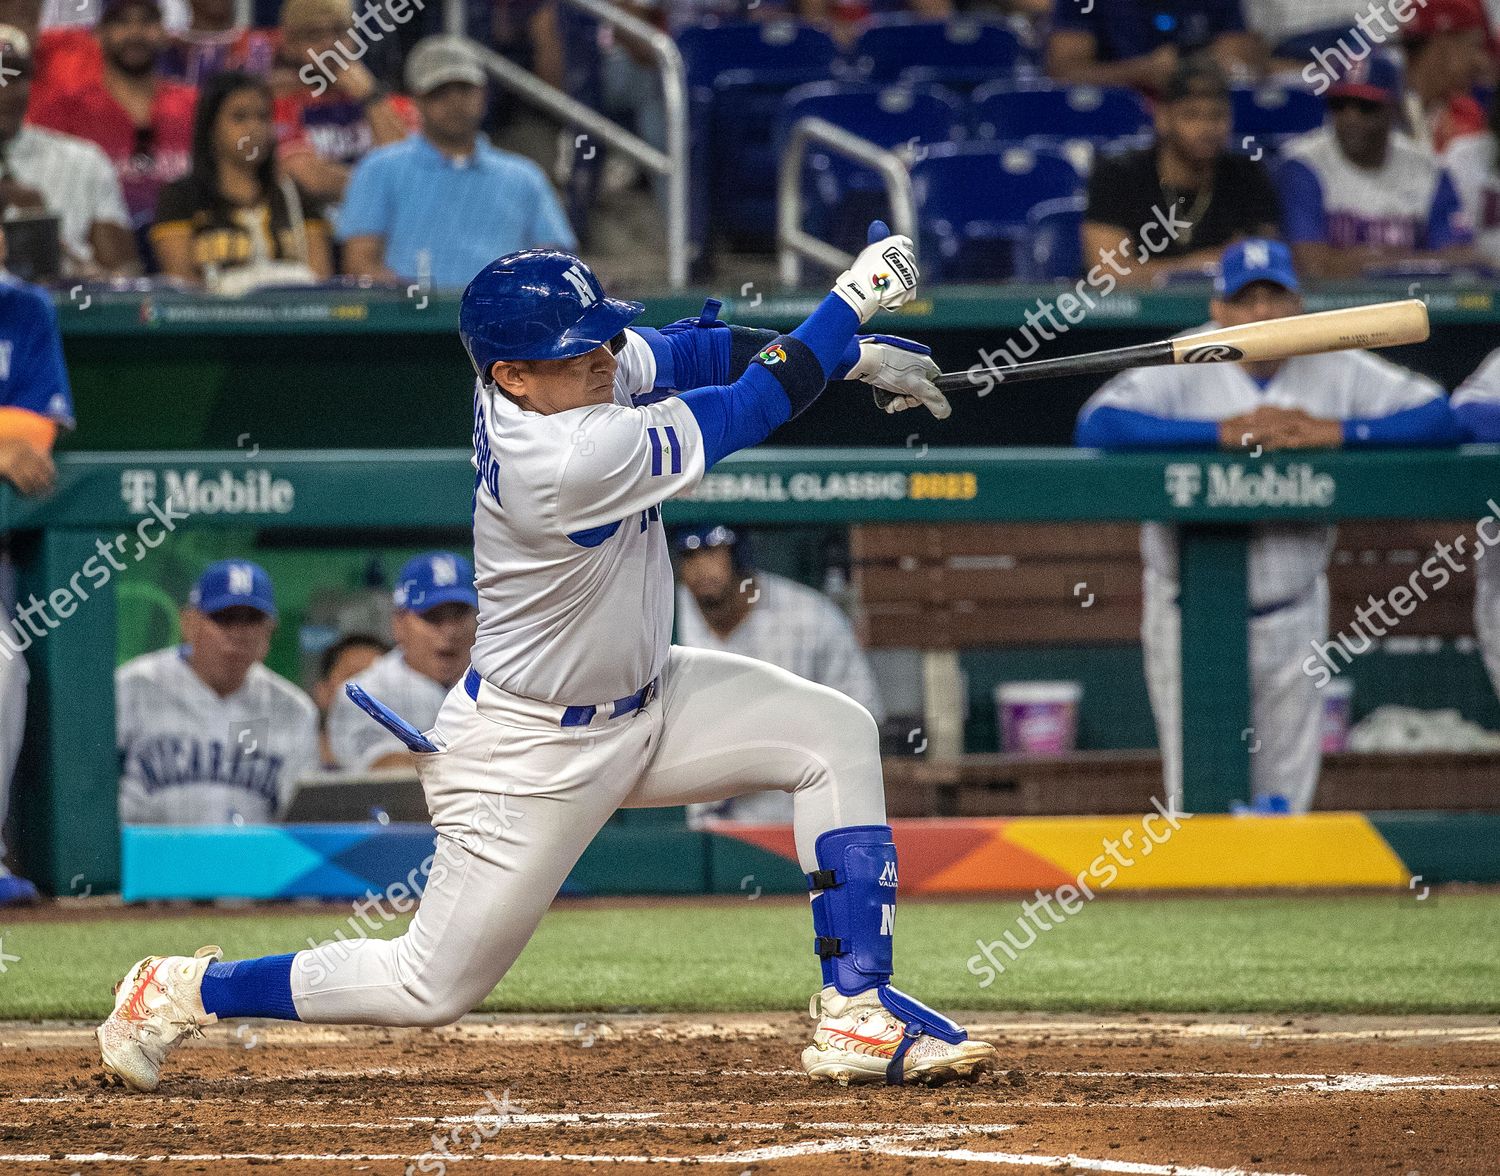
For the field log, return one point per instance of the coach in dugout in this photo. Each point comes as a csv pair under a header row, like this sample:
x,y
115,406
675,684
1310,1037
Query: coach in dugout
x,y
35,402
207,734
437,614
1343,399
1476,404
725,602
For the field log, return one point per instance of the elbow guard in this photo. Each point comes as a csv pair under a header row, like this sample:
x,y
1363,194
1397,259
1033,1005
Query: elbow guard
x,y
795,368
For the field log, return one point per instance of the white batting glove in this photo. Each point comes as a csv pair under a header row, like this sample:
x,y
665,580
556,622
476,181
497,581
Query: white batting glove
x,y
902,373
883,275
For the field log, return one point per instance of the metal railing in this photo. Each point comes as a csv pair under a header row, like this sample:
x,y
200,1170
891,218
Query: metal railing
x,y
792,243
672,163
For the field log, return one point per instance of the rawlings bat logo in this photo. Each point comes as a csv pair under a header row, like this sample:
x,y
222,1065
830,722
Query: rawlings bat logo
x,y
1212,353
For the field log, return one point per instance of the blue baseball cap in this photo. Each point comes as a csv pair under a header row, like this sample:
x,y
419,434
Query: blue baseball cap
x,y
1376,78
434,578
1255,260
232,583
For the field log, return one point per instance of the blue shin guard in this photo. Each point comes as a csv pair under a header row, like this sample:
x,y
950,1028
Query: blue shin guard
x,y
854,918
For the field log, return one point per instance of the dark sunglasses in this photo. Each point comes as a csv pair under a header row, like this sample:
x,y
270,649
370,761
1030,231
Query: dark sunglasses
x,y
617,344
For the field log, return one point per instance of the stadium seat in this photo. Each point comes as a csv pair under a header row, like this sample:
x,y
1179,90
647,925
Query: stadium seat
x,y
1272,114
1014,110
981,206
962,52
737,76
842,195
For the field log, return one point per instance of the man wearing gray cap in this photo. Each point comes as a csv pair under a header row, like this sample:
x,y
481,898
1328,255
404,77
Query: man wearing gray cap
x,y
438,206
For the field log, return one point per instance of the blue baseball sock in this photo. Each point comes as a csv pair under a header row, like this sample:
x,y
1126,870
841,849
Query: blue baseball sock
x,y
251,988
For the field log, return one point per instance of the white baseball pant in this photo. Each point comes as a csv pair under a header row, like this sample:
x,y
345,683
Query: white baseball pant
x,y
13,678
1286,707
1487,612
516,799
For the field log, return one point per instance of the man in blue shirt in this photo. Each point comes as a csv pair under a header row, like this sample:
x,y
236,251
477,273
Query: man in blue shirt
x,y
1140,44
35,402
435,208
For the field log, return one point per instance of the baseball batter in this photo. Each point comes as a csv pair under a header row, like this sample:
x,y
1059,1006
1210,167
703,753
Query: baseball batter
x,y
434,622
577,704
35,403
725,602
1476,404
207,734
1349,398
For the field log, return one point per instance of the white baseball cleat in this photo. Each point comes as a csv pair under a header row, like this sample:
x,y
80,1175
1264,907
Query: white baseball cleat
x,y
857,1039
157,1004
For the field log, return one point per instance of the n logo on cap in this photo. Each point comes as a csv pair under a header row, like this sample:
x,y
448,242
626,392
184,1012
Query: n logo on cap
x,y
241,580
1257,255
579,281
444,571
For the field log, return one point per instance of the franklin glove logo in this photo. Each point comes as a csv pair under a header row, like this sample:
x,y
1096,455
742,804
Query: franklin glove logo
x,y
896,259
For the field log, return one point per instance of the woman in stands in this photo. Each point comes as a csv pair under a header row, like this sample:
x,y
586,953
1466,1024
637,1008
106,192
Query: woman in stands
x,y
233,222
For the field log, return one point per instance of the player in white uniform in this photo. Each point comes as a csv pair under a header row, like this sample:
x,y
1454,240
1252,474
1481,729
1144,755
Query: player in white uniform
x,y
1349,398
1474,163
725,602
436,612
35,404
207,734
1476,404
577,703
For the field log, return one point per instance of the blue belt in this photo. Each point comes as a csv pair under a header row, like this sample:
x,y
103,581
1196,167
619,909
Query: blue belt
x,y
1264,610
581,716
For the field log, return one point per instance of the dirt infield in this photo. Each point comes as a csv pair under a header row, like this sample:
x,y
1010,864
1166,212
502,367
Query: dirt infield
x,y
1140,1094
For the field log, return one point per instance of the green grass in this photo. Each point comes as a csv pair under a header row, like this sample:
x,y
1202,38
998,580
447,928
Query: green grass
x,y
1383,953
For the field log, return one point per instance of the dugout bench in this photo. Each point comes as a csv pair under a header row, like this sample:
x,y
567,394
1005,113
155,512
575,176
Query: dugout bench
x,y
69,814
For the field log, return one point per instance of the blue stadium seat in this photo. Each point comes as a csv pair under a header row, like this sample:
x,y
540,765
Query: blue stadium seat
x,y
737,76
844,195
962,52
981,206
1271,114
1014,110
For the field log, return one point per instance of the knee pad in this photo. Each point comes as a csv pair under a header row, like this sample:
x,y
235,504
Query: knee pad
x,y
854,907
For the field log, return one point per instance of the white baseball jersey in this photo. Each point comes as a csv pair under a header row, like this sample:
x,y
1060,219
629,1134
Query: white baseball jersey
x,y
356,740
570,559
1285,559
1483,387
1409,203
795,627
190,757
1473,162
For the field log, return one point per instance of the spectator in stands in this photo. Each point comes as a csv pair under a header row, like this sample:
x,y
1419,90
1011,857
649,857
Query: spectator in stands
x,y
1141,45
232,219
527,32
45,173
143,123
1476,404
1350,398
444,203
35,402
1473,162
347,658
1291,27
330,110
1174,205
64,59
725,602
213,42
207,734
437,615
1447,55
1357,195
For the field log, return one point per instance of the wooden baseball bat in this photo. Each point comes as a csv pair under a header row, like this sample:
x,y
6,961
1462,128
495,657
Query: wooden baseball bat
x,y
1383,324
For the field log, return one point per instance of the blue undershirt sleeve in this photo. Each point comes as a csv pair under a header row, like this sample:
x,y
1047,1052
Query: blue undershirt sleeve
x,y
1107,427
1432,423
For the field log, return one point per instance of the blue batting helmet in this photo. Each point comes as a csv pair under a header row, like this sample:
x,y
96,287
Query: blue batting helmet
x,y
687,539
537,304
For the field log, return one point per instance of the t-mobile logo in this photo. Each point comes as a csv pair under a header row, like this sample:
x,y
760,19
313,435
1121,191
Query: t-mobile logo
x,y
1184,483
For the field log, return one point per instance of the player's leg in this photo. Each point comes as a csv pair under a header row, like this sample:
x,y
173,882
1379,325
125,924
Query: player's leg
x,y
515,801
1287,707
1487,613
731,725
13,678
1161,651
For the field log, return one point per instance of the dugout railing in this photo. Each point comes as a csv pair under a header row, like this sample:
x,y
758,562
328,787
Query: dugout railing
x,y
68,807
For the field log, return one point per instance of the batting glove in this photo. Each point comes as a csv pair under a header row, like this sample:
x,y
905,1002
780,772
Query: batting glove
x,y
884,275
901,372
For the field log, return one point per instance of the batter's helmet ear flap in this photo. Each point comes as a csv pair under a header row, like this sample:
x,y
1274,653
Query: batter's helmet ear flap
x,y
537,304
